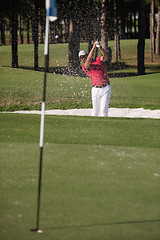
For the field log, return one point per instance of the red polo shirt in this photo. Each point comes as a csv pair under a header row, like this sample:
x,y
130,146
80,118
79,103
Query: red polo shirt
x,y
97,72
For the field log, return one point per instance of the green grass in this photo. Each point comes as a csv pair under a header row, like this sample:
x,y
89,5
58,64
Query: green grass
x,y
22,89
59,55
100,175
100,178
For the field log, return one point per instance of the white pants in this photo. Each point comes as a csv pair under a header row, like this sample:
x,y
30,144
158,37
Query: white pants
x,y
100,101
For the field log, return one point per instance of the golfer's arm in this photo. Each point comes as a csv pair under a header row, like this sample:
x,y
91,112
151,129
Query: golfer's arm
x,y
104,55
89,58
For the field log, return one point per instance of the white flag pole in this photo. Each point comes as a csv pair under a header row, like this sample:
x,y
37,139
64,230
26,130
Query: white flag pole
x,y
51,15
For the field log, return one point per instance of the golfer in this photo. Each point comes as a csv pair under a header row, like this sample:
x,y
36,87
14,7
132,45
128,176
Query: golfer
x,y
101,89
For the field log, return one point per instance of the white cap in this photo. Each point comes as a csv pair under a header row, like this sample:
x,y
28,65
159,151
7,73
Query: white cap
x,y
82,53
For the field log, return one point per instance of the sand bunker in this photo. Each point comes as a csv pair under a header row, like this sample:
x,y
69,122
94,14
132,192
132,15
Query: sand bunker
x,y
113,112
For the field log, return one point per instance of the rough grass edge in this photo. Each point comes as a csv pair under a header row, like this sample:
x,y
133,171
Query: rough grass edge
x,y
64,106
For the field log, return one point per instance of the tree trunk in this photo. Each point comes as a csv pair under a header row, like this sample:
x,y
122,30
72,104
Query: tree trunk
x,y
42,27
104,39
127,33
2,26
135,26
130,25
74,40
35,34
158,31
147,21
60,32
74,44
141,38
152,29
14,27
116,34
123,25
42,33
52,33
21,29
116,47
28,25
66,27
90,26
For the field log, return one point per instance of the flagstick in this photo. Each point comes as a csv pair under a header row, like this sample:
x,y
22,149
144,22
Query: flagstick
x,y
42,124
51,15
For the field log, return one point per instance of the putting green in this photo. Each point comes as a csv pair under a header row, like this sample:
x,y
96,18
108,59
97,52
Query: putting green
x,y
100,178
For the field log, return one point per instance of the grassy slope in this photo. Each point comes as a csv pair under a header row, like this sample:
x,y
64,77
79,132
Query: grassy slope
x,y
100,178
22,89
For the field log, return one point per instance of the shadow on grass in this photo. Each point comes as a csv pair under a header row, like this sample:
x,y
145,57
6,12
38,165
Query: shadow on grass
x,y
106,224
78,72
112,69
153,67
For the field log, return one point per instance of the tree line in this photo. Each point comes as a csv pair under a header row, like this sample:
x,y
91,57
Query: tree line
x,y
82,21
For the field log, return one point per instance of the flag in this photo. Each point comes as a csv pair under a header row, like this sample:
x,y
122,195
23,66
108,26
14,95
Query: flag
x,y
51,10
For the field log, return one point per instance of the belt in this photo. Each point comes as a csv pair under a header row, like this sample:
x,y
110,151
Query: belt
x,y
101,86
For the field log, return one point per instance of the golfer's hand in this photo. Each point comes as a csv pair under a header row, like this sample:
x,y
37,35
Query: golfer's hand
x,y
98,45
